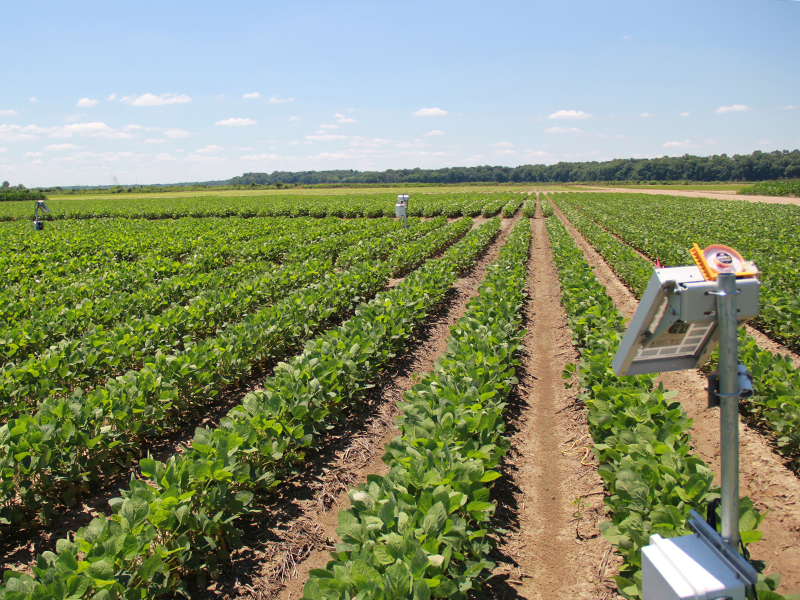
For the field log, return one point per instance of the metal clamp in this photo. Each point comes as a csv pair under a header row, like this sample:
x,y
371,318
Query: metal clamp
x,y
719,293
742,569
745,386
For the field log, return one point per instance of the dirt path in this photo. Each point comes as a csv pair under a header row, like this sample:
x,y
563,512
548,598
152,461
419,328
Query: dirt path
x,y
693,194
763,477
549,553
289,549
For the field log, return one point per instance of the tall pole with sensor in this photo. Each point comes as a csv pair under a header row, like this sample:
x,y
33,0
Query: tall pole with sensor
x,y
40,206
683,315
401,208
728,401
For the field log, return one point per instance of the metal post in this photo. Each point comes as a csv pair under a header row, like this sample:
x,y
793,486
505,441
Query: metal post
x,y
729,406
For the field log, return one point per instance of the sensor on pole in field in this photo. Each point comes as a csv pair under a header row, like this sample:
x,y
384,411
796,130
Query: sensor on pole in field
x,y
684,314
37,224
401,208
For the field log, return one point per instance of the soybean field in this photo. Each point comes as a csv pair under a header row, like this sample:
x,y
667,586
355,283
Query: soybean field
x,y
297,396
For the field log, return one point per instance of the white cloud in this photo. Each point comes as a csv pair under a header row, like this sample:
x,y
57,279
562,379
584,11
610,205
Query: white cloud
x,y
683,144
429,112
323,127
29,132
276,100
415,144
90,157
19,133
358,141
252,95
563,130
175,133
645,115
505,152
7,113
683,114
570,115
73,118
3,150
164,156
33,98
87,102
292,118
32,155
95,129
787,107
153,100
435,132
343,119
155,141
424,154
534,153
266,157
733,108
502,145
326,137
331,155
235,122
112,97
58,147
211,148
132,127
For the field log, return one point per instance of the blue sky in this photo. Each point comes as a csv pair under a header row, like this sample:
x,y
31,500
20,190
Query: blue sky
x,y
161,92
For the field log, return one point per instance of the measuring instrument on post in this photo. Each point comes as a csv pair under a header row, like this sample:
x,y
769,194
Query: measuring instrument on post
x,y
401,208
684,314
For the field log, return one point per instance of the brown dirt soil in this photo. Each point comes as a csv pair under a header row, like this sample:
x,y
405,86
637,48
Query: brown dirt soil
x,y
708,194
552,499
762,474
284,552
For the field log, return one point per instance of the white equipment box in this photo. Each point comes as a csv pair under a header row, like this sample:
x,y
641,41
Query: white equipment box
x,y
684,567
700,566
401,207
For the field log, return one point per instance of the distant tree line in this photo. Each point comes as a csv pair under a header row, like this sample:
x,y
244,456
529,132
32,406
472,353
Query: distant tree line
x,y
9,193
758,166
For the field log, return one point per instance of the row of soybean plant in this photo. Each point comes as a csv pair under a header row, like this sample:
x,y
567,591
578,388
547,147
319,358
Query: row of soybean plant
x,y
85,361
422,530
41,311
70,442
57,291
75,251
181,519
344,206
